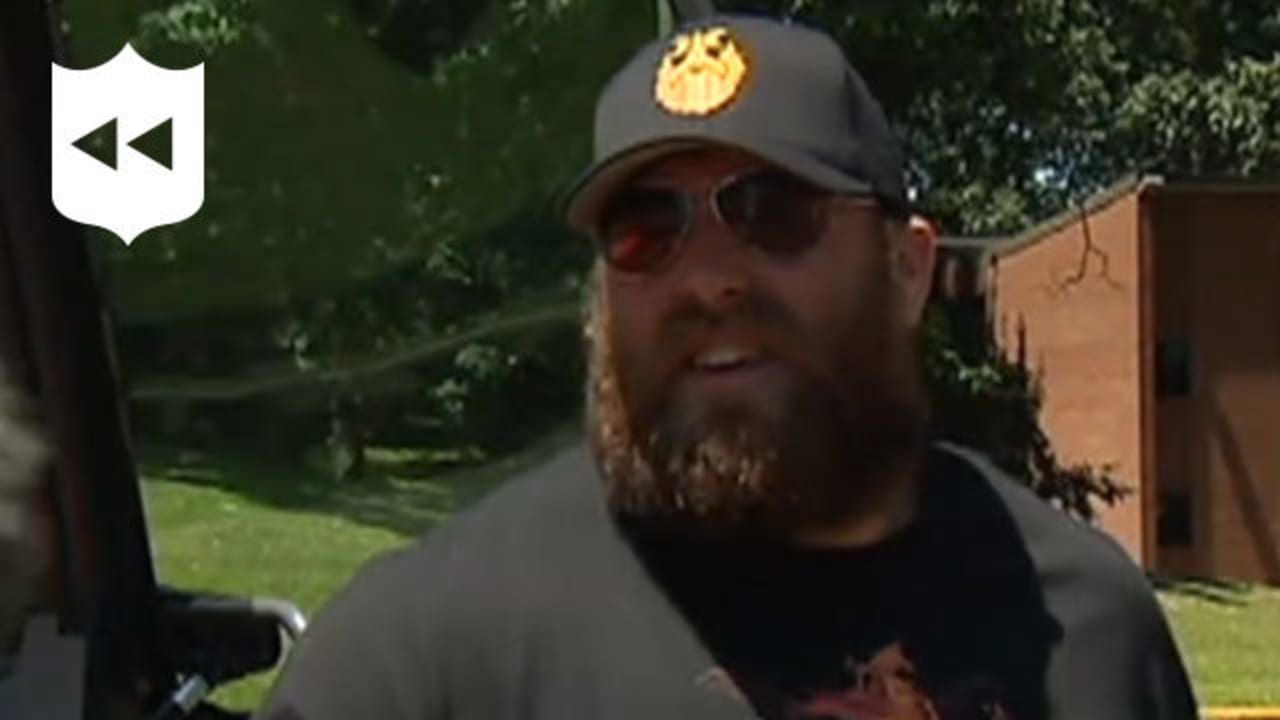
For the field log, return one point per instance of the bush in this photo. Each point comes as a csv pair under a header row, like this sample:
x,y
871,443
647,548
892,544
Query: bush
x,y
990,403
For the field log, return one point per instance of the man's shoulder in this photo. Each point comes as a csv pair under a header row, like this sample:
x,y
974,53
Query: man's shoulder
x,y
452,607
559,495
508,552
548,511
1079,565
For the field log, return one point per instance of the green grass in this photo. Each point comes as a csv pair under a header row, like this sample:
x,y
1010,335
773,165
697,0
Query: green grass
x,y
233,526
209,538
1230,637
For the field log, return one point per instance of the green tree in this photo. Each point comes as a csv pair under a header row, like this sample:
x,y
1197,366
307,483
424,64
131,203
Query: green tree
x,y
379,170
1014,110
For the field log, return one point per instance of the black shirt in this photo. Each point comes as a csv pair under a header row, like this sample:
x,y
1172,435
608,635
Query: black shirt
x,y
536,604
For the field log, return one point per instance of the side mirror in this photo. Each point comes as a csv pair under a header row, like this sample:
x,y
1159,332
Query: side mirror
x,y
210,640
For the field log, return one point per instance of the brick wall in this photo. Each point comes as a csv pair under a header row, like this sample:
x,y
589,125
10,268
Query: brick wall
x,y
1075,292
1221,292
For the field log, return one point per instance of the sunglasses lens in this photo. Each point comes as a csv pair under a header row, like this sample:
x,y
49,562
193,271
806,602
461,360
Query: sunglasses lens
x,y
771,210
639,230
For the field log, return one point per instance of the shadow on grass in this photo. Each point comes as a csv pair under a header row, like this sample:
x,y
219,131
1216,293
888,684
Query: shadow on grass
x,y
1221,592
406,491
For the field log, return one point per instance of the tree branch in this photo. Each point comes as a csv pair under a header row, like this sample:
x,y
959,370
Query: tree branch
x,y
1062,286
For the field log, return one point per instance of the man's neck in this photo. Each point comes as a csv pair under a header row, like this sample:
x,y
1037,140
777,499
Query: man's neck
x,y
889,510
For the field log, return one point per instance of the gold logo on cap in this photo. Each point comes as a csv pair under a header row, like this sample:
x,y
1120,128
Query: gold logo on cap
x,y
701,72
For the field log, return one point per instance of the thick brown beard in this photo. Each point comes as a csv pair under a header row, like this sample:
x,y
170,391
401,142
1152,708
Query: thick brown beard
x,y
742,477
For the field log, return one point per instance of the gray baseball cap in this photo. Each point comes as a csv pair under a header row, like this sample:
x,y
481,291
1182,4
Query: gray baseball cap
x,y
777,90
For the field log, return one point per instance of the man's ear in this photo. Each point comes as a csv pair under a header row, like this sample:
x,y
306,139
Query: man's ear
x,y
913,254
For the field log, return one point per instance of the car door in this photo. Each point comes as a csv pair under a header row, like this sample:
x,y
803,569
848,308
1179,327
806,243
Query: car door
x,y
55,343
103,639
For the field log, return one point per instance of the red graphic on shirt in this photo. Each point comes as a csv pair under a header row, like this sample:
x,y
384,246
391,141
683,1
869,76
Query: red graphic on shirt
x,y
885,687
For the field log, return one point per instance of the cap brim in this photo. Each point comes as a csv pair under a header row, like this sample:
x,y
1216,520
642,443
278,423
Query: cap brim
x,y
582,201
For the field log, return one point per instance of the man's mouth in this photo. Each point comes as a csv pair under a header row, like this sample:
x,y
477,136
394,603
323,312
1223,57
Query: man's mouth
x,y
732,369
725,358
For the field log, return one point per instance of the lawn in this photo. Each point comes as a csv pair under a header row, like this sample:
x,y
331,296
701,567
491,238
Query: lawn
x,y
1230,636
232,526
241,527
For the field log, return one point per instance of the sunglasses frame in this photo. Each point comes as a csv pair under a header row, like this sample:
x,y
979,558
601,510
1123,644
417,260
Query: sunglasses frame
x,y
820,200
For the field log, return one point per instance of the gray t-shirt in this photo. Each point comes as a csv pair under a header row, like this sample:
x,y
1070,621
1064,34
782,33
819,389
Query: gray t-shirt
x,y
537,604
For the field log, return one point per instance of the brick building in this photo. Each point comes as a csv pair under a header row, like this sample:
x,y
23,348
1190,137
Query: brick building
x,y
1153,315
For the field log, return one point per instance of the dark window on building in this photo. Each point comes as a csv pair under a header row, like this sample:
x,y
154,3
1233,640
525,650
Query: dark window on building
x,y
1173,368
1173,521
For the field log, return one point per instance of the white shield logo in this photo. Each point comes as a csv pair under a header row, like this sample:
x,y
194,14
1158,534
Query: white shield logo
x,y
128,144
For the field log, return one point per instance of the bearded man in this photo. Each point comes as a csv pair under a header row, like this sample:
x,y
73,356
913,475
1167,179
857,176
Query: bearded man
x,y
758,524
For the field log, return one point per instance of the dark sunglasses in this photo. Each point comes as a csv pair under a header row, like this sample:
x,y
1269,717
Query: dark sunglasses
x,y
641,230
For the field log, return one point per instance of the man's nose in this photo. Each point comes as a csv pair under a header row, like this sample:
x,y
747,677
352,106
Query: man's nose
x,y
716,267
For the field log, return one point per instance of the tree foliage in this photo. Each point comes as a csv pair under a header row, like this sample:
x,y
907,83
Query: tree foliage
x,y
1013,110
379,170
982,399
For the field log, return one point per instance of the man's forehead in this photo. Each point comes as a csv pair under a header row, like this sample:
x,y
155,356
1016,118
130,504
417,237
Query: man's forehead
x,y
697,166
